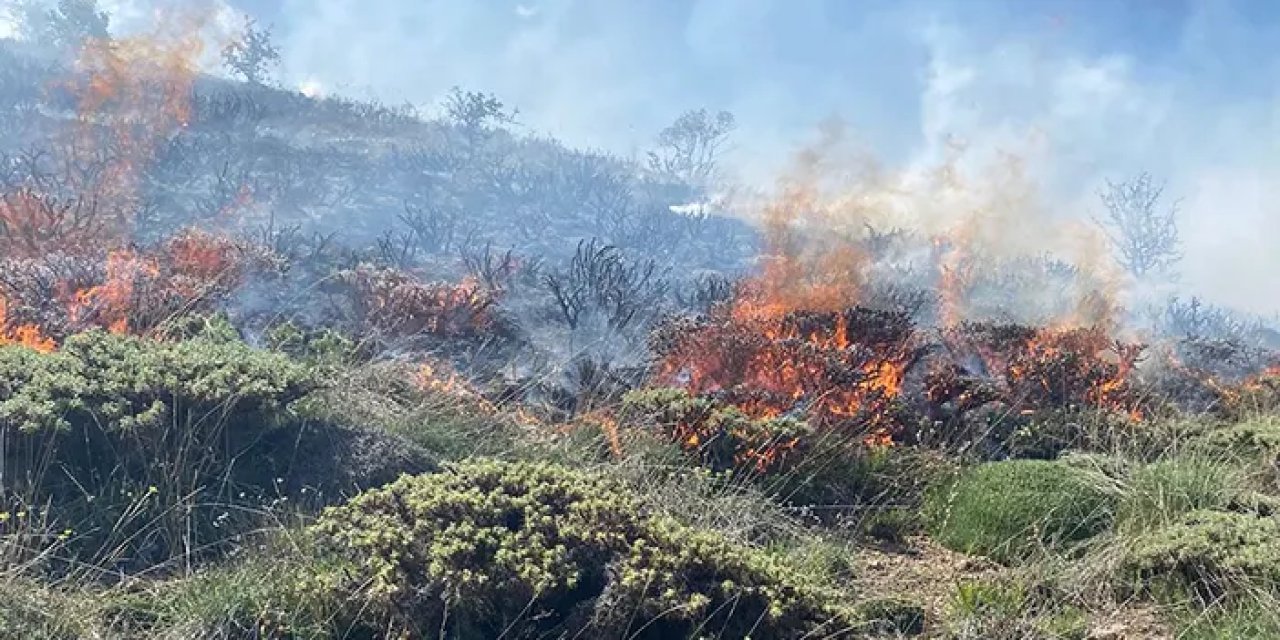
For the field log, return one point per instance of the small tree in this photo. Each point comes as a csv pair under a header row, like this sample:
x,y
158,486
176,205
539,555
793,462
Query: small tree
x,y
253,54
1143,232
65,26
688,149
476,114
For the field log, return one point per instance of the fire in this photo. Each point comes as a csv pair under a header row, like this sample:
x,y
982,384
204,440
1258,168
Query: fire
x,y
837,368
112,303
26,335
132,94
1041,368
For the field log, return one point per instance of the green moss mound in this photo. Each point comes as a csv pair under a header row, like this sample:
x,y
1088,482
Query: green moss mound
x,y
485,549
1008,510
1208,554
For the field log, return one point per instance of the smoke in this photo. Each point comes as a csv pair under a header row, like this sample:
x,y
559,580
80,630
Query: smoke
x,y
1077,92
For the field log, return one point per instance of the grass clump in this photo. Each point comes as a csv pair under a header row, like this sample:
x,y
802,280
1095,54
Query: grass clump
x,y
283,593
892,616
1008,510
1011,610
1161,492
485,548
1253,621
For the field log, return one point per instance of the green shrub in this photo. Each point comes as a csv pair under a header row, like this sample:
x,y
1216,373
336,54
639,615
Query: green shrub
x,y
132,443
1006,510
529,549
124,385
1161,492
1210,554
1258,437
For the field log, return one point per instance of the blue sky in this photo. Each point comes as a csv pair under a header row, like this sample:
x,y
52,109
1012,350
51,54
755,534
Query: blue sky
x,y
1087,89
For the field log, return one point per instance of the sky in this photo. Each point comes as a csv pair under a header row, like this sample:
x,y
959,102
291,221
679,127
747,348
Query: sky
x,y
1088,89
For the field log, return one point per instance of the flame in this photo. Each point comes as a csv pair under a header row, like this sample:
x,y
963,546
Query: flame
x,y
26,335
112,303
132,94
836,368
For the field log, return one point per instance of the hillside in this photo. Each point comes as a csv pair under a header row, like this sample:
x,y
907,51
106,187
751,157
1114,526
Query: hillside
x,y
280,366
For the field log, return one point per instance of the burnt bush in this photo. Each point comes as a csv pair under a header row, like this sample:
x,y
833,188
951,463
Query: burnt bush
x,y
600,282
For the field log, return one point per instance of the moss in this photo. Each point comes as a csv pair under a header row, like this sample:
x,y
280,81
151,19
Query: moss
x,y
485,547
1007,510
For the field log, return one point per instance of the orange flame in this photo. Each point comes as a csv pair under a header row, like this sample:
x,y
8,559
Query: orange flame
x,y
26,335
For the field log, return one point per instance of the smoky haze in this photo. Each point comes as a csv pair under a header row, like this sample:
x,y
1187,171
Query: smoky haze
x,y
1106,90
1078,92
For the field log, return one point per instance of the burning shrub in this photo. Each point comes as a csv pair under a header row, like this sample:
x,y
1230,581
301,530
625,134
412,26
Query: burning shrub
x,y
840,370
137,436
124,290
1007,510
488,548
1049,368
721,436
397,304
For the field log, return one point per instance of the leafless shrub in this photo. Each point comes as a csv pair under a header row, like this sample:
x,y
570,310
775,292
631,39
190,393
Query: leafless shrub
x,y
497,272
432,227
1143,231
601,280
705,290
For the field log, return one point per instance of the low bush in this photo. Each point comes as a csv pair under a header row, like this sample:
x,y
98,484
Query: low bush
x,y
1252,438
1208,554
485,549
1007,510
133,443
